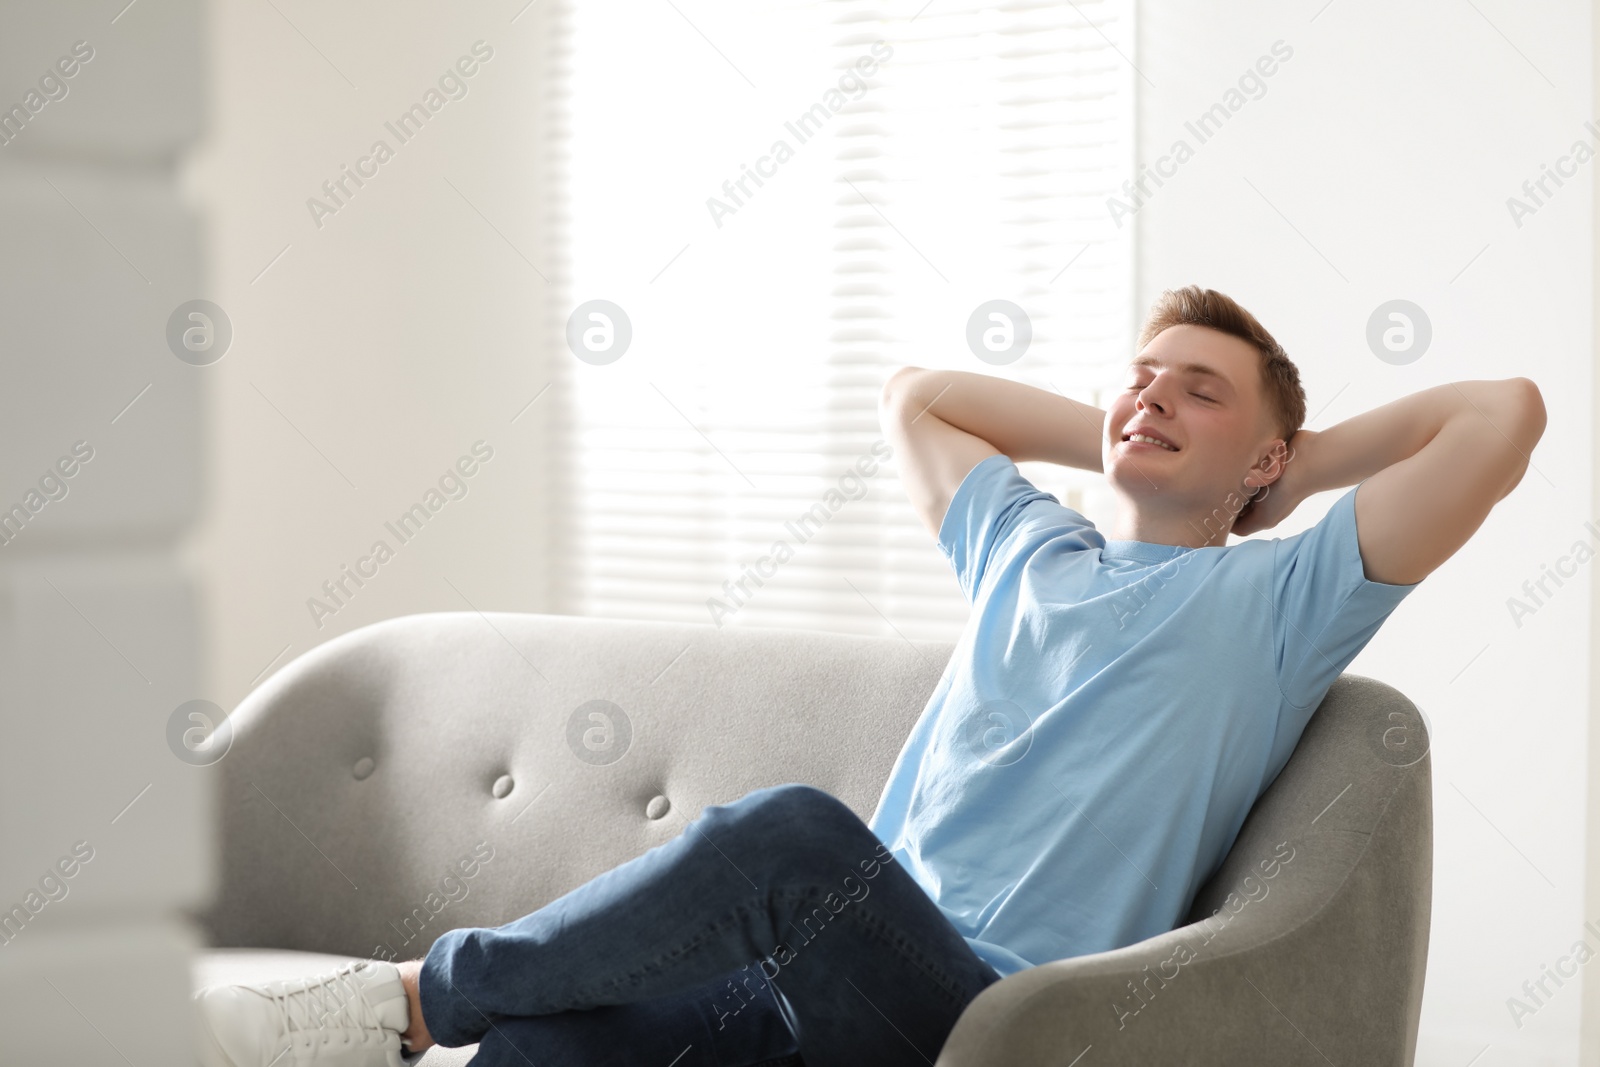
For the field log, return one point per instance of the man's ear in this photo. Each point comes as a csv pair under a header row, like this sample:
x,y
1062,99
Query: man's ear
x,y
1269,468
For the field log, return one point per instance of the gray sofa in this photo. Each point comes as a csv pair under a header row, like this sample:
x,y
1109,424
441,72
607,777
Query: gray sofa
x,y
367,776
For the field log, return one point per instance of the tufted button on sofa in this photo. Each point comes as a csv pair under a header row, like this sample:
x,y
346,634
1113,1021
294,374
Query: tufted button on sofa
x,y
462,769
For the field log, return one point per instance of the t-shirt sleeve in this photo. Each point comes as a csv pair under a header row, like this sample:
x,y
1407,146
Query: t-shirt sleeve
x,y
991,512
1326,607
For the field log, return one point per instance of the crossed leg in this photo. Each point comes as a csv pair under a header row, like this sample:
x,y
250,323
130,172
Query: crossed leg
x,y
784,893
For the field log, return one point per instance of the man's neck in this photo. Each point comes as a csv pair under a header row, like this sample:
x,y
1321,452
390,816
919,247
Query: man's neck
x,y
1187,531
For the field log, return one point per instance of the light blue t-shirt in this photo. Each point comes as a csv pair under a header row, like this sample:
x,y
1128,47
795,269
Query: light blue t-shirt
x,y
1110,714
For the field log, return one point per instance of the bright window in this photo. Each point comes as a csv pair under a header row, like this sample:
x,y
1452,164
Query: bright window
x,y
787,202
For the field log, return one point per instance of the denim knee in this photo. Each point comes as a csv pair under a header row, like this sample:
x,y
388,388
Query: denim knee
x,y
797,826
796,808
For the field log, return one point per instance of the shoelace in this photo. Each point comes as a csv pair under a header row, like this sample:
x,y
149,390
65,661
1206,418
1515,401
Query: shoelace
x,y
332,1001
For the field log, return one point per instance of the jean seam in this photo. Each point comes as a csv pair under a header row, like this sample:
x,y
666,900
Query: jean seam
x,y
879,931
886,936
587,993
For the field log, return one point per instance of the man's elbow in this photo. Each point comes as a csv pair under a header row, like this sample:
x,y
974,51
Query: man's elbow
x,y
1528,404
896,396
1527,423
894,387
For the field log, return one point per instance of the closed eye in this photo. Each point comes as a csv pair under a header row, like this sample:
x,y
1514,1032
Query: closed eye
x,y
1135,387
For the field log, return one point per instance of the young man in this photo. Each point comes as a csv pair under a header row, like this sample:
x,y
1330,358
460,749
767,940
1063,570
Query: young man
x,y
1110,714
1165,675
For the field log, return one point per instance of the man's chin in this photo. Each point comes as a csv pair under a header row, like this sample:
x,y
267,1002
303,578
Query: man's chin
x,y
1133,476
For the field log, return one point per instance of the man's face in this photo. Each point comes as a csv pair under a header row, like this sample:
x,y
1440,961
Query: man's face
x,y
1200,390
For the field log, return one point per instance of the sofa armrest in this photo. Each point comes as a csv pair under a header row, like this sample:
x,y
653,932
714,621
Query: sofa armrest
x,y
1221,991
1317,958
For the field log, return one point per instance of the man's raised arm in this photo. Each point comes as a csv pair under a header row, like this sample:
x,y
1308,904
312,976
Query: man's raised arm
x,y
942,423
1431,466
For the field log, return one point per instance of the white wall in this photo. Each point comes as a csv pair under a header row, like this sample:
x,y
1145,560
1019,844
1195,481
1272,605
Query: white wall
x,y
1590,1050
1376,165
386,340
103,843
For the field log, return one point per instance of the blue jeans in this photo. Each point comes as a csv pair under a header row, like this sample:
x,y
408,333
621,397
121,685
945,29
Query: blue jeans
x,y
776,929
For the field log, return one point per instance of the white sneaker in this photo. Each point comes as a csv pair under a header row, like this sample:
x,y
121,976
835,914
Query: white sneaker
x,y
351,1017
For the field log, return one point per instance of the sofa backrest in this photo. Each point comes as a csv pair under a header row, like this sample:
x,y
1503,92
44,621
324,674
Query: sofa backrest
x,y
369,778
1356,793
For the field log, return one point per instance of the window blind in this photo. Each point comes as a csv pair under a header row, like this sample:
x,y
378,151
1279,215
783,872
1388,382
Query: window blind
x,y
780,229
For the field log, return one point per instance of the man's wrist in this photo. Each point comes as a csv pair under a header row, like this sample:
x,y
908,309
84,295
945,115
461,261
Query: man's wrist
x,y
1303,474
